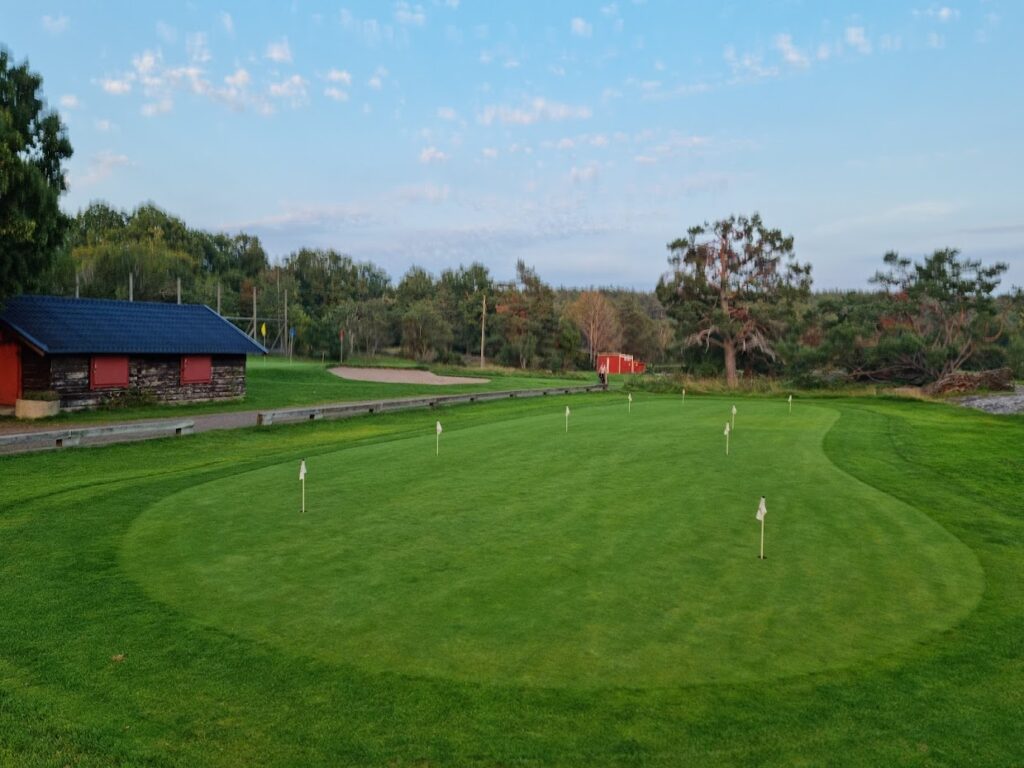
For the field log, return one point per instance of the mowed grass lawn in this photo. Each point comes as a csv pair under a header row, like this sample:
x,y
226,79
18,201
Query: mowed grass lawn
x,y
527,597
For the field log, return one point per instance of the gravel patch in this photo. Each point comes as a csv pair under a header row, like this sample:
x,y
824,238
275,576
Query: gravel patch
x,y
1008,403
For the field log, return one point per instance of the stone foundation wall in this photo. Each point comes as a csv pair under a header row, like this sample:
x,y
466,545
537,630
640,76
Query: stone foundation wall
x,y
156,377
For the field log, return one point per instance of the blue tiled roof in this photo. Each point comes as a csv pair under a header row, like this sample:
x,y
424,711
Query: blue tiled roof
x,y
60,326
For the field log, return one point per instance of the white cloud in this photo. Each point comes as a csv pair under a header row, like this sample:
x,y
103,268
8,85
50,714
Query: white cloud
x,y
227,22
103,125
583,174
280,52
340,76
410,15
790,54
55,24
432,155
824,52
600,140
857,39
581,27
197,49
612,9
377,81
291,89
645,160
486,57
447,113
100,167
320,216
942,13
69,101
565,143
451,3
748,66
166,32
425,193
535,111
239,79
890,42
335,93
489,152
144,63
935,40
116,86
159,107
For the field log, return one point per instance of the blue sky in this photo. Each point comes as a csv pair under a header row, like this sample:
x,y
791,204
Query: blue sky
x,y
580,137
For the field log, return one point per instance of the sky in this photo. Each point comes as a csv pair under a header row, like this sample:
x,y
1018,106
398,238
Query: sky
x,y
578,137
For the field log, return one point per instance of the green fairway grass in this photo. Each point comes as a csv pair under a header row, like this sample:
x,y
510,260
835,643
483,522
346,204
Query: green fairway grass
x,y
619,553
528,597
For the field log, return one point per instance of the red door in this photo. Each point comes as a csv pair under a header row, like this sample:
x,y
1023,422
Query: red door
x,y
10,373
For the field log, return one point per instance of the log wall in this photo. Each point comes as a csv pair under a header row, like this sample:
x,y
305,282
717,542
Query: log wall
x,y
155,376
35,371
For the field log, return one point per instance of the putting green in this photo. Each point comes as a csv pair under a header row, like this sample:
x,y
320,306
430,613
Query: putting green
x,y
623,553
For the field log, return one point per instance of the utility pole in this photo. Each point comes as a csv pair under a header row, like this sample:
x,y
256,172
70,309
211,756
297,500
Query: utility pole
x,y
483,329
76,283
179,290
131,287
287,340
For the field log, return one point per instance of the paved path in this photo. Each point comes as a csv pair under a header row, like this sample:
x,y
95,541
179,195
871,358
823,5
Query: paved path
x,y
205,423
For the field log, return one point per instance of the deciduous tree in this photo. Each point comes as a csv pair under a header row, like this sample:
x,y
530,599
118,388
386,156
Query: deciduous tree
x,y
732,286
33,147
598,321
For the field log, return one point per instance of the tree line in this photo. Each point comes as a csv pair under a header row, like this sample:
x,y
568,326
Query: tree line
x,y
735,300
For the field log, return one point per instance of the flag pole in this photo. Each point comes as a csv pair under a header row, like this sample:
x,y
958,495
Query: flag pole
x,y
762,538
303,495
437,444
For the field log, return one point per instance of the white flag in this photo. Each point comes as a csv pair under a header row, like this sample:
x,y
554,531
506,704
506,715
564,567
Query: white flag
x,y
630,396
762,510
726,429
790,399
439,430
567,411
302,470
734,411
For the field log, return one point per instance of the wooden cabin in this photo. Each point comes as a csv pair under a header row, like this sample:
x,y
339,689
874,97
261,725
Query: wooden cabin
x,y
91,351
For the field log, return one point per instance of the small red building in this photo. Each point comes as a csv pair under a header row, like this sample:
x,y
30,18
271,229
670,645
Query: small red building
x,y
616,362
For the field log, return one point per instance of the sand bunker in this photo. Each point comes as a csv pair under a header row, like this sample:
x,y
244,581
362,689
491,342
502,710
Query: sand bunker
x,y
401,376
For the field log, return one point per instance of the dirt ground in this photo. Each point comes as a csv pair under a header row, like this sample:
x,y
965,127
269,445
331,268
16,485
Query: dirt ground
x,y
400,376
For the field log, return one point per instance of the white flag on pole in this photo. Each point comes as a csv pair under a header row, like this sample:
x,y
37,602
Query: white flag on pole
x,y
790,403
439,430
727,429
762,510
734,417
302,470
630,396
567,411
